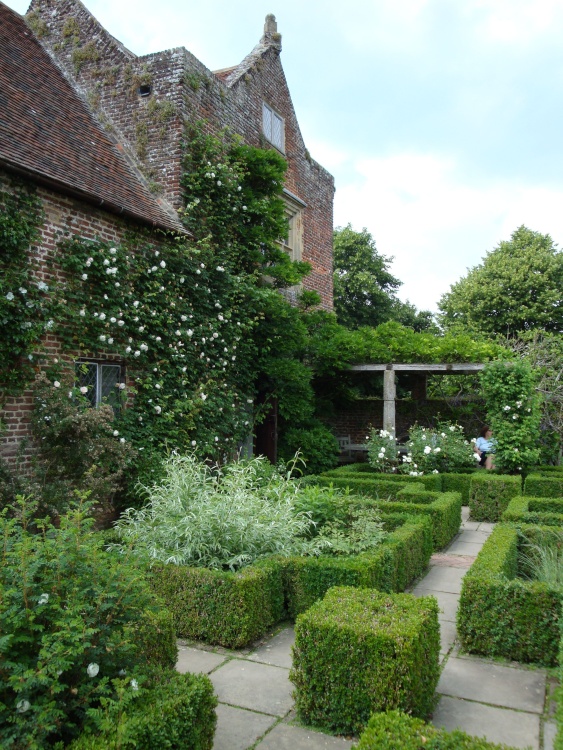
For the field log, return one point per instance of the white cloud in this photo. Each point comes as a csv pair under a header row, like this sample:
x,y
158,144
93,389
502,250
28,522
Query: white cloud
x,y
419,210
517,21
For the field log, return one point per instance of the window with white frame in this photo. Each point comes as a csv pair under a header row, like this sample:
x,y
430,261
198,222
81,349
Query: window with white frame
x,y
103,381
273,127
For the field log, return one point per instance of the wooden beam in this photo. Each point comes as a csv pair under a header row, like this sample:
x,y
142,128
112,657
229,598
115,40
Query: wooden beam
x,y
463,368
389,394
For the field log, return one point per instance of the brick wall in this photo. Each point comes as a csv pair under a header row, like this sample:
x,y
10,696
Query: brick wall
x,y
149,129
63,217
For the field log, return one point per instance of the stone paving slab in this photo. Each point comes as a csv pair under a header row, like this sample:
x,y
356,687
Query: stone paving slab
x,y
477,680
287,737
514,728
470,525
277,650
238,729
446,602
488,527
445,579
259,687
464,548
549,732
452,561
478,536
197,660
448,635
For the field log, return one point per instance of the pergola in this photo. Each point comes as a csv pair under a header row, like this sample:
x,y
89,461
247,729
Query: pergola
x,y
389,390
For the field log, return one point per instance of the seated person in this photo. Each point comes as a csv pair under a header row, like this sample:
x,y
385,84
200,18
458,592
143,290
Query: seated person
x,y
484,446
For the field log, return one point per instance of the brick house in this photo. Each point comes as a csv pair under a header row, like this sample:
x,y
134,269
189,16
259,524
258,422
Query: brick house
x,y
99,132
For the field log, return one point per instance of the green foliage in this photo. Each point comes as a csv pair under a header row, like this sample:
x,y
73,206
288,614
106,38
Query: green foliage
x,y
395,730
220,607
316,444
79,449
513,414
535,510
543,560
365,471
25,308
516,288
364,290
428,450
539,485
502,615
216,518
72,621
347,661
171,710
401,558
489,495
452,482
360,532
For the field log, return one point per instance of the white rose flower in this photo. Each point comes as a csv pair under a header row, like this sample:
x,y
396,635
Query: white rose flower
x,y
23,706
56,384
83,389
93,669
43,599
84,276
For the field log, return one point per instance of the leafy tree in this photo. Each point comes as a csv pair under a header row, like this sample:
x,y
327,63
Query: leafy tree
x,y
364,289
516,288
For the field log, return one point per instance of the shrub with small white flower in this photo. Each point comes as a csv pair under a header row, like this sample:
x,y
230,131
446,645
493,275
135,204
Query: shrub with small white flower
x,y
513,413
437,450
383,453
71,628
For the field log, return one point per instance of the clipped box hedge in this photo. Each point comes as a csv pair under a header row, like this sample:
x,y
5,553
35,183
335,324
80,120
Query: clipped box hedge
x,y
541,485
458,483
395,730
358,651
229,609
489,495
178,713
545,511
431,482
443,507
502,615
380,488
401,558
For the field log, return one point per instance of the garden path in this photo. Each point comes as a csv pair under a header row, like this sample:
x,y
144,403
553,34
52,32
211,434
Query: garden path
x,y
504,702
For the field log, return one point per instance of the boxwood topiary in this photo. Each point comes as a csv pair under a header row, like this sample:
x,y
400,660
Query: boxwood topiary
x,y
358,651
502,615
538,485
394,730
489,495
536,510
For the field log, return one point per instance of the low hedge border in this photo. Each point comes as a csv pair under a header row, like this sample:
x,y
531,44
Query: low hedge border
x,y
179,712
229,609
378,488
489,495
431,482
399,560
234,609
540,485
359,651
394,730
458,483
502,615
545,511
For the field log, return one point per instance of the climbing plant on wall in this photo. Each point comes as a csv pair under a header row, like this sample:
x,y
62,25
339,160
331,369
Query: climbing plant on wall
x,y
25,305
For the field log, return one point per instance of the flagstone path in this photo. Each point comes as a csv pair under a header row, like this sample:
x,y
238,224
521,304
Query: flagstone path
x,y
502,701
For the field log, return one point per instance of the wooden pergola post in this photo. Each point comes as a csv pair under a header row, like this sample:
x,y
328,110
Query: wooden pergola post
x,y
389,395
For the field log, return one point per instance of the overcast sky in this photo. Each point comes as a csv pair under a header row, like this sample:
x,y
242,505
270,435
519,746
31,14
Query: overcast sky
x,y
439,119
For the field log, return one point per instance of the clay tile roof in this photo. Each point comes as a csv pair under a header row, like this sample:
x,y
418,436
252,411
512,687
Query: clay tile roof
x,y
48,133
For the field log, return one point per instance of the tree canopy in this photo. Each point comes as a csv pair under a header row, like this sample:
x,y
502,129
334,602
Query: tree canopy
x,y
364,288
516,288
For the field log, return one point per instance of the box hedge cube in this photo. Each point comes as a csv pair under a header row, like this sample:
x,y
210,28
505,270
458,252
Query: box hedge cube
x,y
544,485
489,495
359,651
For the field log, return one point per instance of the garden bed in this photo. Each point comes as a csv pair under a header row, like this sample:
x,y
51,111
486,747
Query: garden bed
x,y
546,511
500,613
234,609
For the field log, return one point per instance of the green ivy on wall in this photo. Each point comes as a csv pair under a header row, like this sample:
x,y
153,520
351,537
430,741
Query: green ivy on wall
x,y
25,303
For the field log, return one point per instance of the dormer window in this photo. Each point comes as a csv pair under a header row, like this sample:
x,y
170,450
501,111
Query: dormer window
x,y
273,127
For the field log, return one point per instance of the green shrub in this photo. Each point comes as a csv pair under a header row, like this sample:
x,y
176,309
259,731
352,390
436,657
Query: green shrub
x,y
216,518
360,651
457,482
73,617
394,730
317,445
502,615
380,487
489,495
537,485
401,558
537,510
364,471
222,607
176,711
443,507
